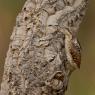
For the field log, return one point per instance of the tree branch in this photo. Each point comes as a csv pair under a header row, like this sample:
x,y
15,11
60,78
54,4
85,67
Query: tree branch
x,y
44,49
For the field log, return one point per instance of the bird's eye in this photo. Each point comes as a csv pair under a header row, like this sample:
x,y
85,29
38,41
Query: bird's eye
x,y
49,25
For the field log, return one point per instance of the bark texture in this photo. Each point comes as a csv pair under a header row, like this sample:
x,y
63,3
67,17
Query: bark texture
x,y
36,62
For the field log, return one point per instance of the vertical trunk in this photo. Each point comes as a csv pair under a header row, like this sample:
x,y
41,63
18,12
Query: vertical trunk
x,y
37,63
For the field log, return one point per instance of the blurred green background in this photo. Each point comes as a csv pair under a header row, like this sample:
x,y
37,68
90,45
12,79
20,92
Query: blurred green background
x,y
82,82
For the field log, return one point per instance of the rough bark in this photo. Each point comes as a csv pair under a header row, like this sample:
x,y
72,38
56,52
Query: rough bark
x,y
36,62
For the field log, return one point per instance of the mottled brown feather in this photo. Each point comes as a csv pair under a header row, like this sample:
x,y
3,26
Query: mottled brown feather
x,y
76,54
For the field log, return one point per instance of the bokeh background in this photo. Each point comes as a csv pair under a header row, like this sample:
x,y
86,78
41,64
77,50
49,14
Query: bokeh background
x,y
82,82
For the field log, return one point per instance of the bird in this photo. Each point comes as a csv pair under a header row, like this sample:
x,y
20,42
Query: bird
x,y
72,49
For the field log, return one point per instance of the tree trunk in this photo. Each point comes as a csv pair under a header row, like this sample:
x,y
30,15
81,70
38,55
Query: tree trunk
x,y
39,61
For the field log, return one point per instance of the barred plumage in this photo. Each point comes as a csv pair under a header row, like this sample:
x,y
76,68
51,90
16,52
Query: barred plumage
x,y
75,52
72,48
